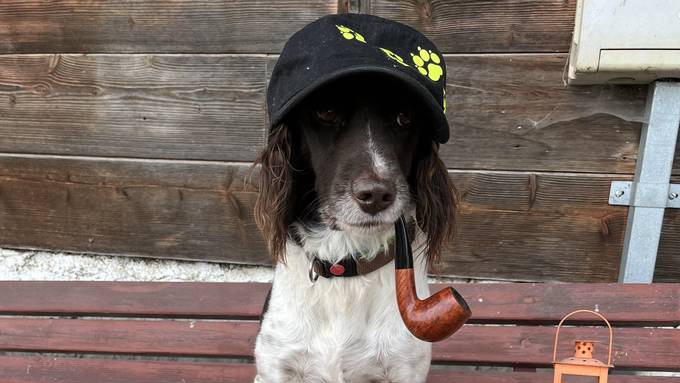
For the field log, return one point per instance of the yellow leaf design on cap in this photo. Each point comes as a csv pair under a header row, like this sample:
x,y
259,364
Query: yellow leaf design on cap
x,y
394,56
349,34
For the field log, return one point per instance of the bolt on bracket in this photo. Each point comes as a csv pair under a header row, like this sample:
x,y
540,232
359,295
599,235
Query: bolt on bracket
x,y
660,195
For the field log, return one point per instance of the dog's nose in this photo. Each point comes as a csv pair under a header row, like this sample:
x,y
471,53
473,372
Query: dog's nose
x,y
373,195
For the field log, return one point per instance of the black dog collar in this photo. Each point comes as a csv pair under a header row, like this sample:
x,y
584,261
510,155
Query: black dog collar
x,y
348,267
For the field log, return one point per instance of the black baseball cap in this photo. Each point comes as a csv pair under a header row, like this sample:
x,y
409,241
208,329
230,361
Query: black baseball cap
x,y
341,45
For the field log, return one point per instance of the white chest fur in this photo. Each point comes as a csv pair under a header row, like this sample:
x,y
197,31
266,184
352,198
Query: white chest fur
x,y
338,330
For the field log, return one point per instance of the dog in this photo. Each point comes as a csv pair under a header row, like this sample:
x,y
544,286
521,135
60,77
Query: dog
x,y
356,109
335,175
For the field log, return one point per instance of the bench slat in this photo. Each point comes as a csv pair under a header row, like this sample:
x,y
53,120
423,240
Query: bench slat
x,y
643,348
68,370
157,337
549,302
506,345
157,299
442,376
490,303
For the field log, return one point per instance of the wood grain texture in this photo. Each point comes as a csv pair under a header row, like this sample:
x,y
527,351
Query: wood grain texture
x,y
183,210
507,112
134,299
547,303
136,337
530,226
512,112
446,376
534,246
71,370
533,346
512,225
205,26
527,346
208,107
498,303
668,256
486,26
535,225
501,345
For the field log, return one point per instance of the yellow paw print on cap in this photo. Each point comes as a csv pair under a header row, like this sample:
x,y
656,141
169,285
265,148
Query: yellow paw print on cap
x,y
433,70
350,34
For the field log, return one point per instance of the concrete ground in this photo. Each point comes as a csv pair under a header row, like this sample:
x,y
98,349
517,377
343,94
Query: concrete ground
x,y
40,265
48,266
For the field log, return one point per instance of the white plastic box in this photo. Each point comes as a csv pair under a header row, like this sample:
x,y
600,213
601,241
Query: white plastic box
x,y
625,41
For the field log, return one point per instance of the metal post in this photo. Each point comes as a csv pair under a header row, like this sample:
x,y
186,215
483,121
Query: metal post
x,y
651,191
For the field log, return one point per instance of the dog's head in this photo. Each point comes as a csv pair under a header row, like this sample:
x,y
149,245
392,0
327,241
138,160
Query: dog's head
x,y
354,156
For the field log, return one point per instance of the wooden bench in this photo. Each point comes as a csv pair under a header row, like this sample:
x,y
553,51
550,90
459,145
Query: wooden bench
x,y
124,332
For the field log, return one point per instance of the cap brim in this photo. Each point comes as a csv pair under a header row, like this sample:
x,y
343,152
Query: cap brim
x,y
440,132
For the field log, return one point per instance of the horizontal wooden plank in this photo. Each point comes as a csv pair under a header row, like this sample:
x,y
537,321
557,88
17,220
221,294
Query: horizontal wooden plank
x,y
207,26
511,225
507,112
486,26
491,303
565,193
536,226
549,302
534,246
208,107
136,299
139,337
504,345
444,376
533,346
161,209
70,370
529,226
512,112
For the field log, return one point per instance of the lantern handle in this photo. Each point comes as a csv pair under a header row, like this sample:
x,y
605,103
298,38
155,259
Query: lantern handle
x,y
557,335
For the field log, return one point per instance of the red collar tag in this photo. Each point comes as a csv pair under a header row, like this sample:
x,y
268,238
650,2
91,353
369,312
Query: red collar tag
x,y
337,269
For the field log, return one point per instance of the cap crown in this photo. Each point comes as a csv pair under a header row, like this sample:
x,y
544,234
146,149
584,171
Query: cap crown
x,y
337,45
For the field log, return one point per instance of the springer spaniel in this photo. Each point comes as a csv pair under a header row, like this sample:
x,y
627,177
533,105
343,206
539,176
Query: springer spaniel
x,y
334,177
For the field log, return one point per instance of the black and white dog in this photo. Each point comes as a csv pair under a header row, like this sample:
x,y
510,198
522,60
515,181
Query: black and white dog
x,y
356,106
352,158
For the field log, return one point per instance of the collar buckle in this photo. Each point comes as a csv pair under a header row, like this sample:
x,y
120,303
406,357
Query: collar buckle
x,y
313,275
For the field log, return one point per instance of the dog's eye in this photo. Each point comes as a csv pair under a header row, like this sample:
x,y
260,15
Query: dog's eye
x,y
326,114
404,119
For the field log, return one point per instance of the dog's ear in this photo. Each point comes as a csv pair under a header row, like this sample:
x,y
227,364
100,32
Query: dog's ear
x,y
436,203
273,207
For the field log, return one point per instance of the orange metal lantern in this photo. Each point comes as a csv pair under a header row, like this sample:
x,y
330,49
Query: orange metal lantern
x,y
582,363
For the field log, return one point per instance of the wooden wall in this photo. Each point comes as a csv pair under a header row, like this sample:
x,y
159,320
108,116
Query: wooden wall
x,y
129,128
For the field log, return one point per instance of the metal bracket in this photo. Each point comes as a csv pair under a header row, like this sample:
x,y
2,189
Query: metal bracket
x,y
651,192
660,195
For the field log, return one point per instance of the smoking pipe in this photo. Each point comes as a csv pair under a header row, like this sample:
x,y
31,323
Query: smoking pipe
x,y
432,319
